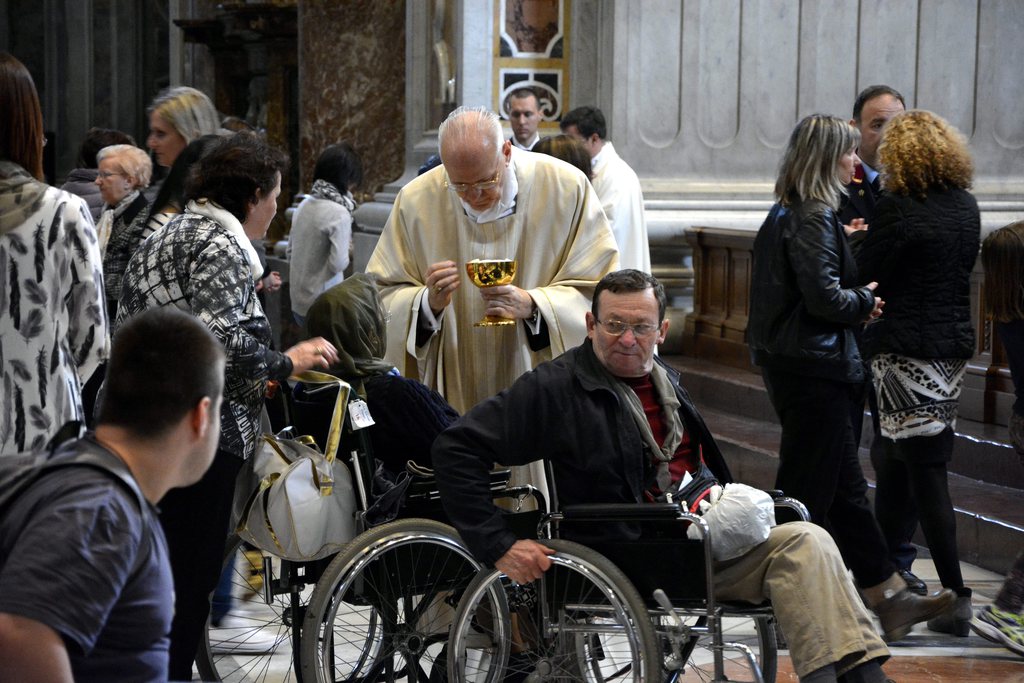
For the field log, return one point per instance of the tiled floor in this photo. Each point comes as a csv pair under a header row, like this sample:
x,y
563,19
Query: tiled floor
x,y
922,656
936,658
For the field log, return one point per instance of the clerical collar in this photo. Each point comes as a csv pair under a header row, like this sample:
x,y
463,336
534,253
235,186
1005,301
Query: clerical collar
x,y
506,205
528,147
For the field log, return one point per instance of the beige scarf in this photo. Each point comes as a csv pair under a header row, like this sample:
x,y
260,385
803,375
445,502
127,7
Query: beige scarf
x,y
674,430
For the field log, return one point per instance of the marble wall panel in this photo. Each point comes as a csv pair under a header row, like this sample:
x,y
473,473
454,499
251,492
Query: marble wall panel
x,y
828,57
718,76
947,69
1001,82
704,94
352,84
656,82
770,57
884,44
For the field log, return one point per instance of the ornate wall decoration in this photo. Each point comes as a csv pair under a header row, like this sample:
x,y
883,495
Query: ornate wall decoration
x,y
531,44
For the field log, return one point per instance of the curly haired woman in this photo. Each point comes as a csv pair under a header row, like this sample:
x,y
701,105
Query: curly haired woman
x,y
921,249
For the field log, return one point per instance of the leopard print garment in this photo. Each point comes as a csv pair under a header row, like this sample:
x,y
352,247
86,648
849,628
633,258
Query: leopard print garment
x,y
916,397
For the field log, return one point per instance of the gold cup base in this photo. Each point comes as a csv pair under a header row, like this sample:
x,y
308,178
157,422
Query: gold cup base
x,y
493,321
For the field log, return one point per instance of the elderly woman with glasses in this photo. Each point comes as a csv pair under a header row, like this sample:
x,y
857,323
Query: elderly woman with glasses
x,y
124,171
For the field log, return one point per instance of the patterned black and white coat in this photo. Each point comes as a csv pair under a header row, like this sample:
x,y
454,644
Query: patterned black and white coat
x,y
197,265
53,321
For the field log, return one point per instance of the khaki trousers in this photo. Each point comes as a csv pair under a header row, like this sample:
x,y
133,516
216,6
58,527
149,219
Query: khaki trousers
x,y
818,609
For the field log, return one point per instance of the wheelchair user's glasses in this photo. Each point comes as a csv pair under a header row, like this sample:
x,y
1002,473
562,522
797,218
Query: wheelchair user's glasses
x,y
617,328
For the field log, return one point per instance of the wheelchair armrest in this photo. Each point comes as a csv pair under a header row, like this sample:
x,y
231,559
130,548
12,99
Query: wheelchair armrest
x,y
791,507
629,512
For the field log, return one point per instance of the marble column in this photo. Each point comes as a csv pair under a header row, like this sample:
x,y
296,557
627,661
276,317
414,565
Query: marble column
x,y
352,84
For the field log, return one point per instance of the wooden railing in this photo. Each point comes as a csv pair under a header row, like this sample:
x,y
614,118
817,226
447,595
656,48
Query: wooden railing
x,y
714,330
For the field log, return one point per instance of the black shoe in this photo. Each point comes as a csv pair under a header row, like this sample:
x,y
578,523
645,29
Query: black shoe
x,y
914,584
900,612
957,620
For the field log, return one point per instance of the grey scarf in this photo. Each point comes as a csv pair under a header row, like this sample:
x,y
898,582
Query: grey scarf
x,y
20,196
326,190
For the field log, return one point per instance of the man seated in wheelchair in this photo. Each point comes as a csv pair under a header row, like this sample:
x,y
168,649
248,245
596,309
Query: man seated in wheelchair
x,y
616,427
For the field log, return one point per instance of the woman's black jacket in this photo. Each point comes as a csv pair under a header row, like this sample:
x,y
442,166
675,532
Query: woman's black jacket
x,y
804,305
921,253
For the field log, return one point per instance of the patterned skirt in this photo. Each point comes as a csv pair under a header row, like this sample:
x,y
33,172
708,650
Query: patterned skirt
x,y
916,397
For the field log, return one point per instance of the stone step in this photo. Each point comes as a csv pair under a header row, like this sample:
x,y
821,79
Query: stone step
x,y
990,516
982,451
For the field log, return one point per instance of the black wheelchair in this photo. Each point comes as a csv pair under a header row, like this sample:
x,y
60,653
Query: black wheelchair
x,y
640,610
378,610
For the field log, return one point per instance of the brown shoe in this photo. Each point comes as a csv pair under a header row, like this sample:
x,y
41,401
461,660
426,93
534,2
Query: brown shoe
x,y
900,612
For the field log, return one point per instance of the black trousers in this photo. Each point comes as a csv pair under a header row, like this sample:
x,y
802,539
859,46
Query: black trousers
x,y
902,551
913,480
818,465
195,520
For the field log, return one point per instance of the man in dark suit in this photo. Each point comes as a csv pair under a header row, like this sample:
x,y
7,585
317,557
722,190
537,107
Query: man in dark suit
x,y
874,106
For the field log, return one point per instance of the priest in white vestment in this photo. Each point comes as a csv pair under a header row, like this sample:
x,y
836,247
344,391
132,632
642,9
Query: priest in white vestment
x,y
488,201
616,184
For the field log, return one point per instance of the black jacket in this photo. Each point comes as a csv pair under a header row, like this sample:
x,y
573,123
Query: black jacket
x,y
860,200
921,253
804,305
567,412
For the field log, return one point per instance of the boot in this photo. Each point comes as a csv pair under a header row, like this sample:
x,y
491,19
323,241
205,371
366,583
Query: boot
x,y
898,609
957,619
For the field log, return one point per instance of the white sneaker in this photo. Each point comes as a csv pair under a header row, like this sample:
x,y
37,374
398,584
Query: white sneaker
x,y
240,635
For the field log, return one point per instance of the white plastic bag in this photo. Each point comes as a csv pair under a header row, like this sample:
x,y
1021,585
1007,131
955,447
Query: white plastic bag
x,y
739,521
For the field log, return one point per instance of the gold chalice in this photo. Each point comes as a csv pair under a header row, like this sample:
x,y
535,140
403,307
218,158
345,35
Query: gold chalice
x,y
491,273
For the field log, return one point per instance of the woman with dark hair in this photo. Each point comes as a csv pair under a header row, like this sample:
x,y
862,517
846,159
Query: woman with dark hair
x,y
320,242
82,180
203,263
1002,256
568,149
804,308
52,310
921,248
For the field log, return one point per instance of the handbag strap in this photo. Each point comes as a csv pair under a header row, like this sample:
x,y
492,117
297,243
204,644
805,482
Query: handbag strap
x,y
322,379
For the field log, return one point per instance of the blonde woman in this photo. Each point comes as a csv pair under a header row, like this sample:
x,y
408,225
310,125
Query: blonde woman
x,y
921,249
178,116
805,305
124,171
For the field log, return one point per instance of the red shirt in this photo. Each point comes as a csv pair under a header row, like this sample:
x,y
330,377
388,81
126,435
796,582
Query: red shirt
x,y
685,459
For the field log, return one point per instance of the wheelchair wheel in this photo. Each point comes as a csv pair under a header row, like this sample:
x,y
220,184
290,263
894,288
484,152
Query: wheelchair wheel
x,y
755,632
257,643
582,621
382,609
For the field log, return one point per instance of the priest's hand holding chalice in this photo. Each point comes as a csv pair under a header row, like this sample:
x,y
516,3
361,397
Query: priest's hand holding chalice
x,y
494,278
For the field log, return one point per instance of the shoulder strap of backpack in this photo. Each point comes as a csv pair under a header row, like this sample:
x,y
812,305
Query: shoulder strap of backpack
x,y
19,473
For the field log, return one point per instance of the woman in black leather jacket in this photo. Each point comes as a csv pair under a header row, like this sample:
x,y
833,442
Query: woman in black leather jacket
x,y
921,248
804,309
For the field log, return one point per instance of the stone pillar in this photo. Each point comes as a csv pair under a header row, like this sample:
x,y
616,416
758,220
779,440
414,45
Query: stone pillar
x,y
355,83
351,81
